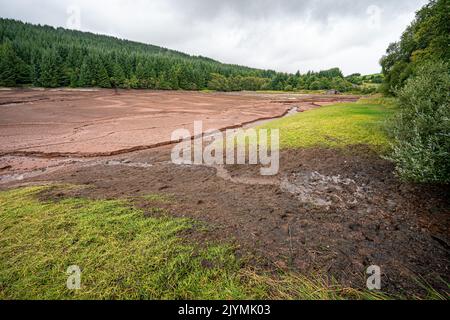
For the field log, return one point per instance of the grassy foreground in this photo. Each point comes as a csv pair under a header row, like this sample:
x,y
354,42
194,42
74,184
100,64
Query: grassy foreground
x,y
124,255
337,126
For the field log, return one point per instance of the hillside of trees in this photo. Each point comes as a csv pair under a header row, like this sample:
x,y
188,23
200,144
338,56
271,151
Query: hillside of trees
x,y
44,56
48,57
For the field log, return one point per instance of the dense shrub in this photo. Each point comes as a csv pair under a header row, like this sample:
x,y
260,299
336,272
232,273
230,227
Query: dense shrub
x,y
421,129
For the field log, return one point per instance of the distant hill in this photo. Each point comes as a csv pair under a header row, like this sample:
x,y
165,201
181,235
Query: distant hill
x,y
44,56
60,57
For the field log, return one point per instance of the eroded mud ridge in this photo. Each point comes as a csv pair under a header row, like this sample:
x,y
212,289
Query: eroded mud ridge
x,y
102,122
328,211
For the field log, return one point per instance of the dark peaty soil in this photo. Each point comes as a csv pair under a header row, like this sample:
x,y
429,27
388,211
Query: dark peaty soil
x,y
327,211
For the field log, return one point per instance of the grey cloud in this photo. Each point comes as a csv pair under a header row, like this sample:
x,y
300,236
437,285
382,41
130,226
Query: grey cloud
x,y
316,9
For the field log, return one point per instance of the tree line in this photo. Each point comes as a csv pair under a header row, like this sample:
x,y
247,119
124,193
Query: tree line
x,y
323,80
55,57
44,56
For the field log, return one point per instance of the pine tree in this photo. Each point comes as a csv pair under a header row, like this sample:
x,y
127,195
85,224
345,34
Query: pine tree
x,y
74,78
163,83
118,76
49,76
10,65
103,79
142,76
86,78
35,70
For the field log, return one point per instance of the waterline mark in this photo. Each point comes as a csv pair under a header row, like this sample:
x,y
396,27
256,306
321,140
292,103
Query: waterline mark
x,y
215,147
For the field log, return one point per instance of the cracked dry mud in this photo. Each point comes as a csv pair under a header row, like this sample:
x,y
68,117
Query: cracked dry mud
x,y
99,122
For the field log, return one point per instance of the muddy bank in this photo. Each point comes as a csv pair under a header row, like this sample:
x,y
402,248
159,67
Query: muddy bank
x,y
327,211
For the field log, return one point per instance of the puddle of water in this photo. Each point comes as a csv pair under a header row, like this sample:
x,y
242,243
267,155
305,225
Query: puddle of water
x,y
292,112
313,187
322,190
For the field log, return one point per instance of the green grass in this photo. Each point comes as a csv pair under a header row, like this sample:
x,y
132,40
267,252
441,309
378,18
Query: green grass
x,y
124,255
337,126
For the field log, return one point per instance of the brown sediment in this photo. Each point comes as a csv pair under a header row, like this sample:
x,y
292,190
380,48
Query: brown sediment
x,y
68,123
130,150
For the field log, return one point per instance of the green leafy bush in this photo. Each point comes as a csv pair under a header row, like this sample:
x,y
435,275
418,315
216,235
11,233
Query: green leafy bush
x,y
421,129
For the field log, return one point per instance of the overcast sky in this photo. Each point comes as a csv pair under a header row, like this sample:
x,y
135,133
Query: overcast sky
x,y
285,35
